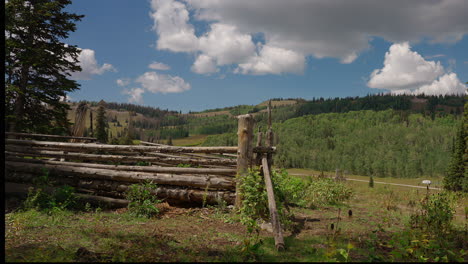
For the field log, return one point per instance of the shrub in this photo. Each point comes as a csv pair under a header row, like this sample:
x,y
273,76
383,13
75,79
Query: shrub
x,y
371,182
61,198
142,201
436,213
325,191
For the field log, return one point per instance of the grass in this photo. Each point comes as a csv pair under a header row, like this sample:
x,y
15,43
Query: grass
x,y
436,181
195,140
379,217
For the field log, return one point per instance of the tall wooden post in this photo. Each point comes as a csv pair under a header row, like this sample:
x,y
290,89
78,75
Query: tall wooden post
x,y
91,122
259,156
244,152
269,137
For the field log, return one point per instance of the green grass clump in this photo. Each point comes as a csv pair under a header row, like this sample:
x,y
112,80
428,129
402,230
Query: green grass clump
x,y
142,201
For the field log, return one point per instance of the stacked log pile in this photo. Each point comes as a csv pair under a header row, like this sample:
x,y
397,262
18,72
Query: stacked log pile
x,y
108,170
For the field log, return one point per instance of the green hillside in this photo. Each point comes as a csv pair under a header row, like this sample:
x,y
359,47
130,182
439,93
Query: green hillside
x,y
381,135
383,143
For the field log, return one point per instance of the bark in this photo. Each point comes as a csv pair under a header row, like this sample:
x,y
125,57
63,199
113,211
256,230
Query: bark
x,y
208,182
132,148
274,217
18,151
26,135
174,170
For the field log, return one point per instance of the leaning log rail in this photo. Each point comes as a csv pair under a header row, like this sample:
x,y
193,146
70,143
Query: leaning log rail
x,y
27,135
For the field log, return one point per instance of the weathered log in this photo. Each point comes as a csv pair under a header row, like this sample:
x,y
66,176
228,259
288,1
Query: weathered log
x,y
151,144
25,135
175,170
118,189
213,182
245,153
23,189
258,156
114,158
264,149
274,217
134,148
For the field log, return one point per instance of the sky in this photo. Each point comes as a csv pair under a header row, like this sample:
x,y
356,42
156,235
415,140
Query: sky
x,y
192,55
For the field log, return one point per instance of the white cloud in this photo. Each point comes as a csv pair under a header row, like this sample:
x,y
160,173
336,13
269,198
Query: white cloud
x,y
136,95
204,64
428,57
159,66
222,44
162,83
66,98
273,60
123,82
319,28
226,44
338,29
407,72
404,69
447,84
171,24
89,66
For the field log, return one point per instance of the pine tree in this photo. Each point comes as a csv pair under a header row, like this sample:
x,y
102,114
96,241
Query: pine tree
x,y
101,124
457,172
37,65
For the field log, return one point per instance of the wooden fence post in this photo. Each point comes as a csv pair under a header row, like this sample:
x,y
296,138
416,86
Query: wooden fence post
x,y
269,137
244,152
259,156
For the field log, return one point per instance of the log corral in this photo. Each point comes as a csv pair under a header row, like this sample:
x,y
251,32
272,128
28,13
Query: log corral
x,y
182,174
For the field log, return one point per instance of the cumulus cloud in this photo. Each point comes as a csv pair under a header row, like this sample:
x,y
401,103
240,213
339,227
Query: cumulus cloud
x,y
89,66
171,24
135,95
162,83
407,72
338,29
404,69
320,28
273,60
66,98
159,66
204,64
222,44
227,44
445,85
123,82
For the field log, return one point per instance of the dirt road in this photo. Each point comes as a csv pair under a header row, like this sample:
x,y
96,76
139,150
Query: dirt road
x,y
379,182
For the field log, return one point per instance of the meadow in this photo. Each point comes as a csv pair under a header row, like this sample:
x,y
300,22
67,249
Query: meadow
x,y
378,230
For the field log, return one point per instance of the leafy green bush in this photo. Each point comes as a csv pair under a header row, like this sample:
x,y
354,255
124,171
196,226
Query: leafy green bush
x,y
436,214
324,191
61,198
142,201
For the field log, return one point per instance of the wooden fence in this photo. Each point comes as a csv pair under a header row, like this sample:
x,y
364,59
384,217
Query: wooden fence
x,y
183,174
186,174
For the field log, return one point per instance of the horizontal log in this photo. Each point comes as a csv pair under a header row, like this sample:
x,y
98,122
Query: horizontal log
x,y
18,151
134,148
151,144
23,189
214,182
207,156
174,170
24,135
264,149
118,189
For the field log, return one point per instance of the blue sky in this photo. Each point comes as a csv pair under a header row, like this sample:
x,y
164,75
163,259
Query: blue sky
x,y
224,53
